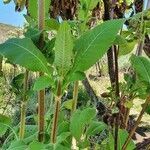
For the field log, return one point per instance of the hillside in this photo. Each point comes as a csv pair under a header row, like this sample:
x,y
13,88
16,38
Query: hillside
x,y
7,31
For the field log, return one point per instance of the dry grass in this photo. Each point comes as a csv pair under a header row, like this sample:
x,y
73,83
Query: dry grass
x,y
100,85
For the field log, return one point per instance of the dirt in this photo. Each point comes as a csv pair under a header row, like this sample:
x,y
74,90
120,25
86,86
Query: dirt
x,y
100,85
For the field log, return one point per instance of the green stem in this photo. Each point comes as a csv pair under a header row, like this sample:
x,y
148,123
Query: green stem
x,y
74,107
22,120
41,94
23,107
56,113
136,123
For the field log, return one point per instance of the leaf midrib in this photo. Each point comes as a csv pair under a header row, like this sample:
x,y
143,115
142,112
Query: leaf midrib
x,y
13,43
93,41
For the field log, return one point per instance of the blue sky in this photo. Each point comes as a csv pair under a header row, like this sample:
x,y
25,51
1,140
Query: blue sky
x,y
9,16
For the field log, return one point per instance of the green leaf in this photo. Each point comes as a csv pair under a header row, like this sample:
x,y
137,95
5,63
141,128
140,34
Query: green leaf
x,y
122,136
126,46
68,104
92,45
95,127
42,83
60,147
79,120
142,68
128,104
62,137
92,3
63,127
17,81
5,122
33,8
17,145
33,34
33,23
76,76
24,53
36,146
63,49
52,24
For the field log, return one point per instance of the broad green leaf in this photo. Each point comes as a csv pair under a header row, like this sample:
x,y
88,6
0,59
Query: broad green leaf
x,y
125,46
33,8
36,146
95,128
63,127
92,3
122,136
79,120
63,49
17,145
88,4
5,122
60,147
142,68
76,127
92,45
52,24
33,34
24,53
62,137
76,76
42,83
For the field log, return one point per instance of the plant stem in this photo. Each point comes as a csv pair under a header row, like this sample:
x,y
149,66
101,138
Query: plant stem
x,y
75,96
41,94
127,117
56,113
23,107
41,113
74,107
117,94
22,120
117,91
136,123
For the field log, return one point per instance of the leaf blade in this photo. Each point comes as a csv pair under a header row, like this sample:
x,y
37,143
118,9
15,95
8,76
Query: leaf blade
x,y
88,47
63,49
24,53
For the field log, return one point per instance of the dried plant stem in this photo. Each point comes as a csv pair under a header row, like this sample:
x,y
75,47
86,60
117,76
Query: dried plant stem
x,y
127,117
136,123
41,94
75,96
